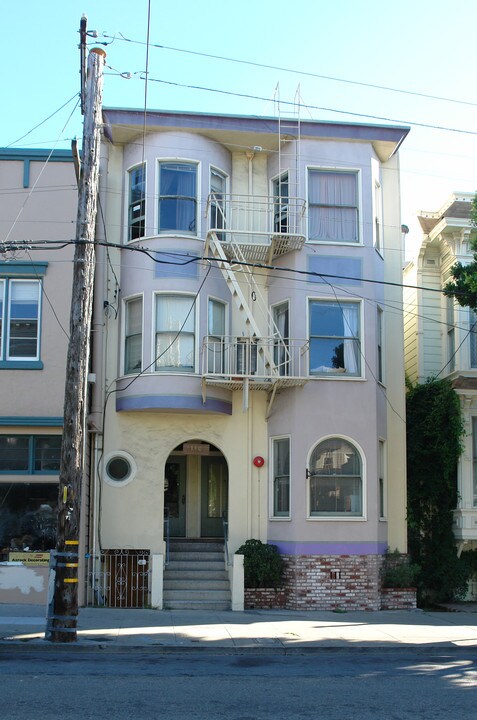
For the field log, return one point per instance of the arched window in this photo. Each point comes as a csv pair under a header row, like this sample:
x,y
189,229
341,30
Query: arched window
x,y
335,479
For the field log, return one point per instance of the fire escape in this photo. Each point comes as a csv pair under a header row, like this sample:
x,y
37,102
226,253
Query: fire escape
x,y
247,233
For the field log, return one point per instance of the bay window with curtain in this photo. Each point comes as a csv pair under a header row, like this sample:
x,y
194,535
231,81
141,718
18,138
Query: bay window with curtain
x,y
334,337
333,206
178,197
175,333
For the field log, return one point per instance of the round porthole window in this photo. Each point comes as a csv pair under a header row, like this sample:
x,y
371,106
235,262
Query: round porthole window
x,y
120,468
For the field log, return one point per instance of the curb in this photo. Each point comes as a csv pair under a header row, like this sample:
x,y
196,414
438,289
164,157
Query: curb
x,y
158,649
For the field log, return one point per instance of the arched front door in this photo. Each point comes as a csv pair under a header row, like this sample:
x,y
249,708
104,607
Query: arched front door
x,y
196,490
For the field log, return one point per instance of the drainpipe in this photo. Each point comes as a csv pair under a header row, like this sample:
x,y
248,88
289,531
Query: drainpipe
x,y
250,155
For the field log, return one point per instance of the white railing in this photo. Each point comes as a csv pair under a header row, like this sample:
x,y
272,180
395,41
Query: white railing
x,y
232,356
255,215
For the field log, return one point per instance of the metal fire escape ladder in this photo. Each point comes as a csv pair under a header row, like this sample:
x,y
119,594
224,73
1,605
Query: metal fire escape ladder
x,y
289,129
228,272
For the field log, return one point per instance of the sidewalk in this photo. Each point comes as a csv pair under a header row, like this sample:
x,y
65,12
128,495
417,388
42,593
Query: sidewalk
x,y
22,626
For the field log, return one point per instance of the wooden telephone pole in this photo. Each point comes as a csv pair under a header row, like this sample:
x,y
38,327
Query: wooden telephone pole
x,y
63,605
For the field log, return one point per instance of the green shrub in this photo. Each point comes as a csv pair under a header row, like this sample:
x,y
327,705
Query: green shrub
x,y
263,565
398,572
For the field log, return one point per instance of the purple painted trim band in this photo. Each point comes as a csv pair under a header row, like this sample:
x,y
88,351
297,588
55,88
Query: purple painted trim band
x,y
192,403
331,548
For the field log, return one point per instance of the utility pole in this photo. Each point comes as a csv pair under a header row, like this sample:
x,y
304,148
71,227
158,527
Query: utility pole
x,y
63,605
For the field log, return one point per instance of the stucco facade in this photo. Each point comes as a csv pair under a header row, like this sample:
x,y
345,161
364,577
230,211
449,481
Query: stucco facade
x,y
246,365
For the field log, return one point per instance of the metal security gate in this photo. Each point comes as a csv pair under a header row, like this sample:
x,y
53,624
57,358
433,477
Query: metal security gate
x,y
119,579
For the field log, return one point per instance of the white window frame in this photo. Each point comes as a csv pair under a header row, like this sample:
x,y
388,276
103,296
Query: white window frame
x,y
196,311
450,349
288,367
382,481
272,515
284,207
380,354
213,298
472,319
337,375
131,298
359,222
128,203
6,330
198,219
213,169
473,487
338,517
377,200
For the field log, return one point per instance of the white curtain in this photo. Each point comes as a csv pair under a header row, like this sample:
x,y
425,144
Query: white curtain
x,y
173,349
333,206
351,349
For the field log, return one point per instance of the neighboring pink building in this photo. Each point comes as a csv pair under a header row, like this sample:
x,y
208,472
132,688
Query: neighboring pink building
x,y
38,202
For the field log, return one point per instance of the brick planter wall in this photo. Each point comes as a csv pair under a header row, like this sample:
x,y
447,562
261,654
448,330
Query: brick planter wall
x,y
398,599
264,598
335,582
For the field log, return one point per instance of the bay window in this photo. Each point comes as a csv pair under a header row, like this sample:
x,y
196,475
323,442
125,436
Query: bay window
x,y
216,320
334,336
178,197
335,479
175,333
137,202
333,206
133,336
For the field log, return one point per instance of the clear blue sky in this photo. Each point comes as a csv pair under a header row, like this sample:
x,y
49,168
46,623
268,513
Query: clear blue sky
x,y
422,46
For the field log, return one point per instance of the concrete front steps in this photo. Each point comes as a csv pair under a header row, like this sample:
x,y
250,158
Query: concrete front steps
x,y
195,577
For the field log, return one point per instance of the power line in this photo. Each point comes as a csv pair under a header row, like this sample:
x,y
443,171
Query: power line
x,y
303,73
45,120
314,107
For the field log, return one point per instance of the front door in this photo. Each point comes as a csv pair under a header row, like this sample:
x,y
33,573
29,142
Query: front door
x,y
175,496
214,496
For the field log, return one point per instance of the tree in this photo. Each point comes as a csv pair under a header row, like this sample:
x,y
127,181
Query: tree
x,y
434,444
463,286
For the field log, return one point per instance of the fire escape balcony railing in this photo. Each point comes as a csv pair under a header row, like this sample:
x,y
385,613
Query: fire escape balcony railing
x,y
271,225
236,358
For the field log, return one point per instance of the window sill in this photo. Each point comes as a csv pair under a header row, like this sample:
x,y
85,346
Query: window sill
x,y
336,376
279,519
21,365
336,518
347,243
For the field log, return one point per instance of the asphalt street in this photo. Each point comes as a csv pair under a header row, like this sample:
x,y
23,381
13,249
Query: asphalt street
x,y
394,684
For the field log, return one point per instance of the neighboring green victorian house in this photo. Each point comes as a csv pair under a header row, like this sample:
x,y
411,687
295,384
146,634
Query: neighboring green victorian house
x,y
441,337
